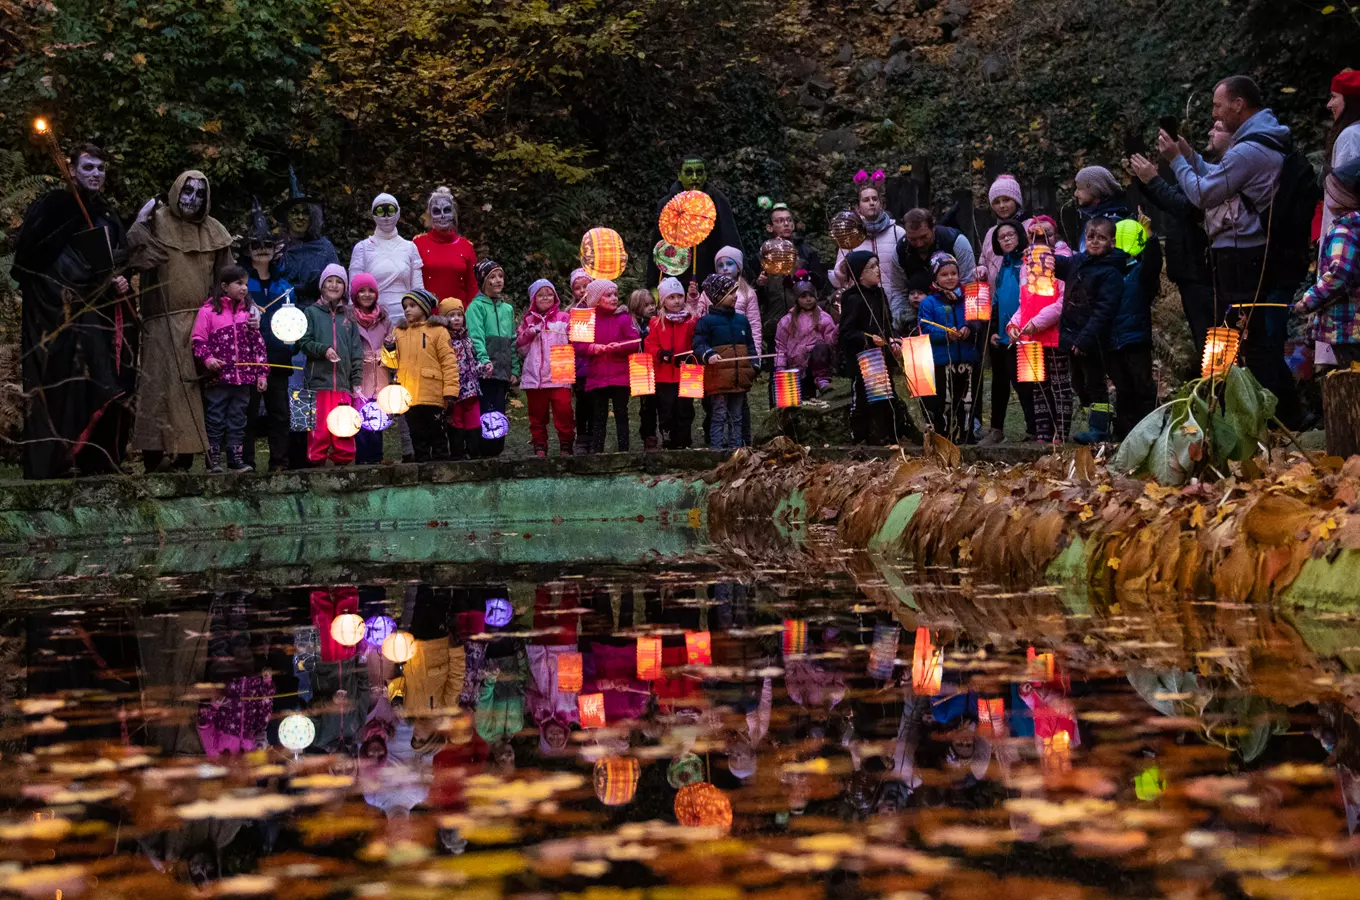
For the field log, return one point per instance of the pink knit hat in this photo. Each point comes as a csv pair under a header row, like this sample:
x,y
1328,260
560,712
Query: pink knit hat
x,y
596,289
362,280
1006,186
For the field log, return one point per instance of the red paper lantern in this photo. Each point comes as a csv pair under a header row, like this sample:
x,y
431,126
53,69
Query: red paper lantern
x,y
698,648
687,218
977,301
703,806
648,658
591,708
616,779
562,364
795,636
581,329
992,715
570,675
692,381
927,665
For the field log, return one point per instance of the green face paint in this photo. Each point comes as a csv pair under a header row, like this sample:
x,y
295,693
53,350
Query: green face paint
x,y
693,174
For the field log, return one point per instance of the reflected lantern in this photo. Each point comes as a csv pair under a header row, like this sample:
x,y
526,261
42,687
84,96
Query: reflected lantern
x,y
399,646
698,648
591,709
602,254
616,779
648,658
927,665
778,257
687,218
499,612
347,630
377,628
289,323
296,732
344,421
847,230
394,399
570,672
795,636
703,806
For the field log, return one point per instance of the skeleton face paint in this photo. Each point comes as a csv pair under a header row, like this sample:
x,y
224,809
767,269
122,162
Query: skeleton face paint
x,y
442,214
192,197
693,174
299,220
90,173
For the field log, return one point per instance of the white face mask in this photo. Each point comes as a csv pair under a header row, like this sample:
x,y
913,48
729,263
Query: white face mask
x,y
192,197
385,217
90,173
441,214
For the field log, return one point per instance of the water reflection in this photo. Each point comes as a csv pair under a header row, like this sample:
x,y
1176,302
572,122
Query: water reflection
x,y
853,730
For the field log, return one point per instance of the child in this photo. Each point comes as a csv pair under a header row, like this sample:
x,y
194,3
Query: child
x,y
584,412
225,334
543,327
335,365
670,338
427,367
725,334
491,325
615,339
375,328
465,416
266,292
1048,404
1004,268
805,339
1094,285
956,355
643,307
730,261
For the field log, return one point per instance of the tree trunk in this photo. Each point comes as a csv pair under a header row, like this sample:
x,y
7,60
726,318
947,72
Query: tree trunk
x,y
1341,412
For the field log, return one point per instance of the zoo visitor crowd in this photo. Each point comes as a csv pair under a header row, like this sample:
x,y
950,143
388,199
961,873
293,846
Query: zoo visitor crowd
x,y
215,343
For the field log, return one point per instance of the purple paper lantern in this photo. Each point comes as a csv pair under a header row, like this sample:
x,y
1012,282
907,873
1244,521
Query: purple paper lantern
x,y
377,628
499,612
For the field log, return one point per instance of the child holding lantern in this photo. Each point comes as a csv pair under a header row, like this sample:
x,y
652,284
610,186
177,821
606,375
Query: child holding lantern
x,y
670,339
227,342
1093,286
465,415
607,382
724,341
491,325
944,319
375,328
584,413
642,305
1006,270
335,365
546,388
805,339
426,366
1035,317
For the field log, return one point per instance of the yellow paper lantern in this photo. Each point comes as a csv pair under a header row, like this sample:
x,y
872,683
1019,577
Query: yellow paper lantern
x,y
591,709
581,328
687,218
641,374
648,658
847,230
927,665
703,806
977,301
288,323
602,254
692,381
1220,352
394,399
918,365
778,257
1029,361
698,648
562,364
570,674
616,779
399,646
1040,271
344,421
795,636
348,630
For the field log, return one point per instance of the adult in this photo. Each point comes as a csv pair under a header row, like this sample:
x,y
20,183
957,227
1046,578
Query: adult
x,y
1007,202
393,261
882,237
1343,145
1236,195
448,258
76,328
179,247
779,294
305,252
922,239
693,176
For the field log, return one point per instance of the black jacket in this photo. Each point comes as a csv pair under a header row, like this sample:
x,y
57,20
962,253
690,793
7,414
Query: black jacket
x,y
864,312
917,270
1094,289
1187,243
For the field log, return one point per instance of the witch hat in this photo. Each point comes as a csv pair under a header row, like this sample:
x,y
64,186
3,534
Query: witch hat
x,y
295,195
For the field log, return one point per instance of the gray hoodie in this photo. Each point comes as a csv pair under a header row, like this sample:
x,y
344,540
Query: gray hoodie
x,y
1246,168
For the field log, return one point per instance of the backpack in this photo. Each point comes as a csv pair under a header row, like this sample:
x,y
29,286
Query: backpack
x,y
1289,218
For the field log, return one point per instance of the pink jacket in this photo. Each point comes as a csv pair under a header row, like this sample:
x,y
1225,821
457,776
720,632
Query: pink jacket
x,y
376,375
611,369
1041,313
537,334
232,337
794,339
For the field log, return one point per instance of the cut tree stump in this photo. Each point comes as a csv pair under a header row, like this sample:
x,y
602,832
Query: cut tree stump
x,y
1341,412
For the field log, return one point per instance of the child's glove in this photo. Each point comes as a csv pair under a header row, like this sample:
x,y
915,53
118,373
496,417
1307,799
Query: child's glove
x,y
390,345
666,357
756,367
261,384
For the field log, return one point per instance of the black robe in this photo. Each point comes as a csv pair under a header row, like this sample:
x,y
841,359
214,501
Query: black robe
x,y
724,234
77,344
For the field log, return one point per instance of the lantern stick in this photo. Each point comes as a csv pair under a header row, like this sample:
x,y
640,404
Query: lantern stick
x,y
270,365
938,325
745,358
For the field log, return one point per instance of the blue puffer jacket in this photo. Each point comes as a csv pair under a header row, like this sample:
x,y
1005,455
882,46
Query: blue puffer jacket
x,y
1132,321
948,312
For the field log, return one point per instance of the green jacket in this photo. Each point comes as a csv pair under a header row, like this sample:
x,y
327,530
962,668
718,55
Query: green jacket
x,y
326,329
491,326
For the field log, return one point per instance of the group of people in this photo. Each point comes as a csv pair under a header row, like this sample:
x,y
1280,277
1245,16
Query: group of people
x,y
192,339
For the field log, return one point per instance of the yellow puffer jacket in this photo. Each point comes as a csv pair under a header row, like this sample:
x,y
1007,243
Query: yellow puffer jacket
x,y
434,678
426,365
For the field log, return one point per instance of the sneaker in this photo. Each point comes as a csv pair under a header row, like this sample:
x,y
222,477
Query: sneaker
x,y
993,437
541,451
236,460
823,385
565,450
212,460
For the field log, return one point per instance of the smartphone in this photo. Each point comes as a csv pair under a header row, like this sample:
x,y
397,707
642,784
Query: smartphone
x,y
1169,125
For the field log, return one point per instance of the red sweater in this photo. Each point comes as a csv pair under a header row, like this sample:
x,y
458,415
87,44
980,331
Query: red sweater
x,y
678,338
448,263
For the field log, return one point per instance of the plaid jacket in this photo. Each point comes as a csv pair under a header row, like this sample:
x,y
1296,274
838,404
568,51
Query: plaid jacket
x,y
1336,294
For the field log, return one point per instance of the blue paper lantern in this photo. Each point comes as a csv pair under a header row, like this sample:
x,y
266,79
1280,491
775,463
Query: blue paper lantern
x,y
377,628
372,417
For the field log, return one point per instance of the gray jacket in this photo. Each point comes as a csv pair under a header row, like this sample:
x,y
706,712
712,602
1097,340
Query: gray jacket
x,y
1246,168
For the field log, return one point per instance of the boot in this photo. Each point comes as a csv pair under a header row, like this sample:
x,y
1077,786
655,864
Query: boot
x,y
472,442
1098,427
993,436
212,460
541,451
650,443
236,459
565,449
457,444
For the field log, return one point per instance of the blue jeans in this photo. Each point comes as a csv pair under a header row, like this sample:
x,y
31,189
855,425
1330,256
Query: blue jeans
x,y
725,432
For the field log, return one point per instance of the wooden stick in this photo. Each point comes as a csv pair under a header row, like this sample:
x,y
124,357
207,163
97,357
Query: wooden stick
x,y
744,358
938,325
270,365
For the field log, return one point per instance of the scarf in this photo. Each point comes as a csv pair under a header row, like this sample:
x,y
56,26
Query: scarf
x,y
680,316
369,319
878,225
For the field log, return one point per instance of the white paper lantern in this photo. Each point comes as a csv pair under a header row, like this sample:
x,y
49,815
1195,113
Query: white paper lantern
x,y
347,630
289,323
399,646
296,732
344,421
394,399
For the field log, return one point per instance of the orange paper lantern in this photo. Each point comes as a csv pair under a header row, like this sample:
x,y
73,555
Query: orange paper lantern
x,y
927,665
1040,666
692,381
648,658
918,365
602,254
1055,752
977,301
641,374
795,636
562,364
1029,361
581,329
1040,271
687,218
698,648
616,779
570,675
591,708
992,715
1220,352
703,806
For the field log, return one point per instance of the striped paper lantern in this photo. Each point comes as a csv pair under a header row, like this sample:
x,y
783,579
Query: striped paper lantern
x,y
641,374
977,301
602,254
562,364
581,329
873,368
787,391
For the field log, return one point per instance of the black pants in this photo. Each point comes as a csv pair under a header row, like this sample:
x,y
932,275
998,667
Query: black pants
x,y
876,423
368,447
675,416
600,398
1088,377
1264,328
429,435
267,417
1002,359
1135,391
585,416
1202,312
494,398
224,414
951,409
647,410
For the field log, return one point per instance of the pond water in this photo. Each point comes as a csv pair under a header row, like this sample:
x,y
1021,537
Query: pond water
x,y
828,727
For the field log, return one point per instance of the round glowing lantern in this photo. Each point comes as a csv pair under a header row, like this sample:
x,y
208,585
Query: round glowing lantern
x,y
399,646
296,732
703,806
394,399
499,612
344,421
377,628
778,257
670,259
347,630
372,418
847,230
602,254
684,771
1220,352
495,425
616,779
288,323
687,218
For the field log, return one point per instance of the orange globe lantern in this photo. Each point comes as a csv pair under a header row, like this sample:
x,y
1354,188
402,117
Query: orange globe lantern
x,y
616,779
602,254
703,806
847,230
688,218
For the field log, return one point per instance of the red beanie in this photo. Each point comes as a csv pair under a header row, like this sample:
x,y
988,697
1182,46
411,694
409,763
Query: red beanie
x,y
1347,83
